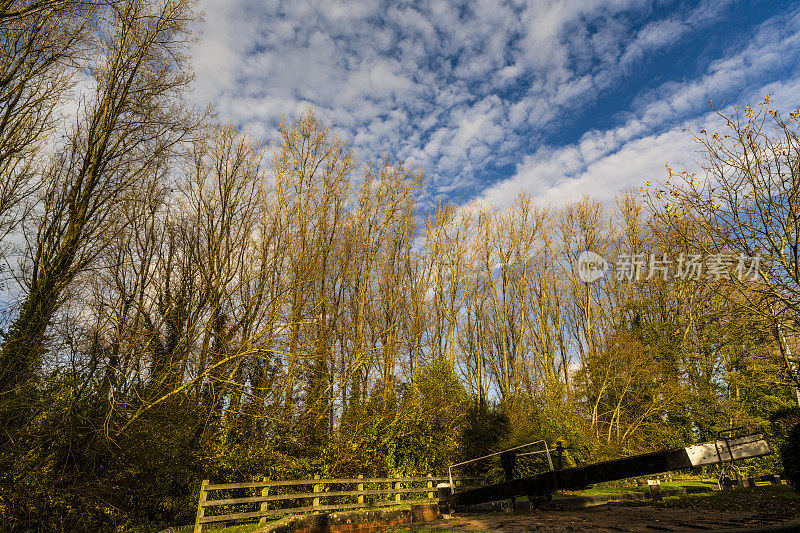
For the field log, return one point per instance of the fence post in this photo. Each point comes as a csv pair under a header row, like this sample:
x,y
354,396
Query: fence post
x,y
316,489
264,505
360,489
655,490
198,527
397,487
430,486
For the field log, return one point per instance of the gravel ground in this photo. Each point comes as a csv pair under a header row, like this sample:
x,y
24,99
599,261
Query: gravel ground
x,y
606,518
744,509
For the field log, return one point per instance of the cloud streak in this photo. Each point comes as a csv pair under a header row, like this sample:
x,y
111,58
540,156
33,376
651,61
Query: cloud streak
x,y
604,162
489,97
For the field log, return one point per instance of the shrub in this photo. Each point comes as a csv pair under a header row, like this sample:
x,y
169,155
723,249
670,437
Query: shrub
x,y
790,455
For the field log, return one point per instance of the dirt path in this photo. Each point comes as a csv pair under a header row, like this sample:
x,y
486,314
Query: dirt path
x,y
609,518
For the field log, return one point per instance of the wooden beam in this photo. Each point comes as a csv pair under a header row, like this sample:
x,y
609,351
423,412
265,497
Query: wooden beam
x,y
647,464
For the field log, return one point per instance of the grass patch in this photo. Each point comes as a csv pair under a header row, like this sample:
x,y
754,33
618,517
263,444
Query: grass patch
x,y
778,499
420,529
239,528
155,528
755,499
668,485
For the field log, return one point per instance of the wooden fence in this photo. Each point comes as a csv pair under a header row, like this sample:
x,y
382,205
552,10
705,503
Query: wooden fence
x,y
229,501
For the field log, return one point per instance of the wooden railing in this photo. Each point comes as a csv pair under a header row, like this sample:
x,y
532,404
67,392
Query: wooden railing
x,y
228,505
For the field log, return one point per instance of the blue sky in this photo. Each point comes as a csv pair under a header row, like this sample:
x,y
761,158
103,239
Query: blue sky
x,y
559,99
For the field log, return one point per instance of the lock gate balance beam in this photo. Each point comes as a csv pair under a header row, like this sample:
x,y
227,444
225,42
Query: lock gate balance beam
x,y
578,478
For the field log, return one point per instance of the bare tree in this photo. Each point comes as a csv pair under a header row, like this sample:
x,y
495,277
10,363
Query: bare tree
x,y
747,209
123,134
41,46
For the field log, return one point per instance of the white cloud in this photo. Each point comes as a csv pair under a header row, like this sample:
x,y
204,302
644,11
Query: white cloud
x,y
565,174
602,163
458,88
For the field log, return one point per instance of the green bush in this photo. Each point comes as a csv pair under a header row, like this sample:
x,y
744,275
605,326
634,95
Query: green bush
x,y
790,455
485,428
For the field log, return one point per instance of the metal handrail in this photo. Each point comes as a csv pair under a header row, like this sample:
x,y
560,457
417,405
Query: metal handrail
x,y
731,431
546,450
726,466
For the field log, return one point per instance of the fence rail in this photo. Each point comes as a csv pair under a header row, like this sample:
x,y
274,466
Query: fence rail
x,y
225,505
